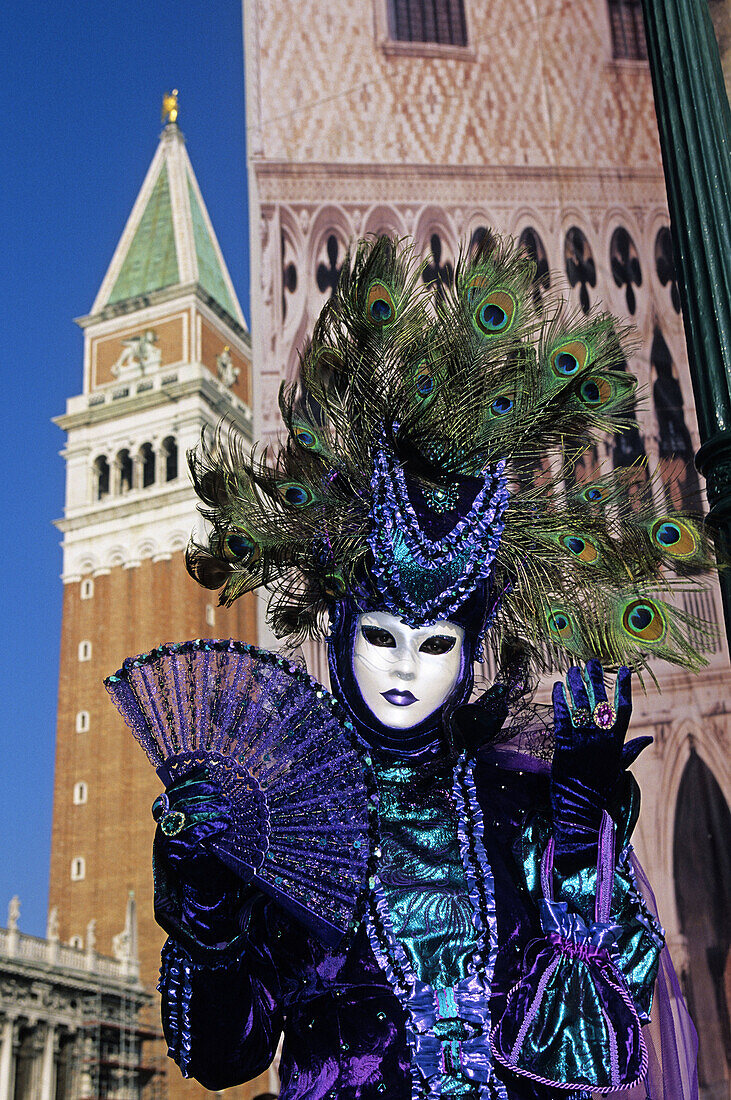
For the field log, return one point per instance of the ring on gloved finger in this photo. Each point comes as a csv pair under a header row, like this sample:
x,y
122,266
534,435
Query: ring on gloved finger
x,y
604,715
173,822
580,716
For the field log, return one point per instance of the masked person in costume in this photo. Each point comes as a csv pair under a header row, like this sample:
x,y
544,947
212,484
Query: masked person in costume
x,y
497,944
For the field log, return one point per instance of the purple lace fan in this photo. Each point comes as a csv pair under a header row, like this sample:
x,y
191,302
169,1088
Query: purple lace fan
x,y
281,749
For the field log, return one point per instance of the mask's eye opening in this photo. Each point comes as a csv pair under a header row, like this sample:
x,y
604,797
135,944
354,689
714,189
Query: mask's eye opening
x,y
437,645
377,636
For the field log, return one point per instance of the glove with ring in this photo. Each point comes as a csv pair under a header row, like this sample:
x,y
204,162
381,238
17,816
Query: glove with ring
x,y
193,889
589,755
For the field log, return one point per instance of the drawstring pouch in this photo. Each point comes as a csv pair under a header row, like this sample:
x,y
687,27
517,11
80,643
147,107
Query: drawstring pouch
x,y
570,1022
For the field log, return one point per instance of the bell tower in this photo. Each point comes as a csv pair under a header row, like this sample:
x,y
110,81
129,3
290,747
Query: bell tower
x,y
166,352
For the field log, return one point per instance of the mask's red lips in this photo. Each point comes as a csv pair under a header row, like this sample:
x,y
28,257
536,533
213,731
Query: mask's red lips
x,y
399,698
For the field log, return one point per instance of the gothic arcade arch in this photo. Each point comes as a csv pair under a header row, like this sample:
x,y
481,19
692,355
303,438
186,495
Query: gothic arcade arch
x,y
291,282
383,219
579,259
623,267
436,242
702,877
685,735
532,234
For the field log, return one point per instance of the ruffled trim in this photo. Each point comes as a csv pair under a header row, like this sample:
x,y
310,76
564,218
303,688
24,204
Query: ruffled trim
x,y
176,989
480,881
641,912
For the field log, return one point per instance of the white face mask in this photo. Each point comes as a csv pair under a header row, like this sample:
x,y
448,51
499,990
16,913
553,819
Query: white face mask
x,y
404,674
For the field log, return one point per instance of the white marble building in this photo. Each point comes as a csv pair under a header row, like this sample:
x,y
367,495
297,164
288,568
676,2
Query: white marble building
x,y
71,1020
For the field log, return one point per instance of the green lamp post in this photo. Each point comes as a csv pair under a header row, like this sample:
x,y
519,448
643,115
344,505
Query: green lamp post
x,y
694,121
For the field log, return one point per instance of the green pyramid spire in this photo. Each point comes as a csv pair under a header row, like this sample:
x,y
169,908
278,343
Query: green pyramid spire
x,y
169,239
210,275
151,262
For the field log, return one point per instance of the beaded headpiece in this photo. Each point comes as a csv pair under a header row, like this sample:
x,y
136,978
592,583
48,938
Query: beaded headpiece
x,y
431,453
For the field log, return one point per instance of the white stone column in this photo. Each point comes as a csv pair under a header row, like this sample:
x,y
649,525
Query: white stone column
x,y
48,1068
7,1076
136,470
36,1047
160,460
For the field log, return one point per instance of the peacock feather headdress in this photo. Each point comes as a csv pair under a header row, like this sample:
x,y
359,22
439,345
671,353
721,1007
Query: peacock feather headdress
x,y
407,478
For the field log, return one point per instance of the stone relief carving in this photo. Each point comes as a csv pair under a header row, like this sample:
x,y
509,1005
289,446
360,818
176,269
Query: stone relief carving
x,y
139,356
227,372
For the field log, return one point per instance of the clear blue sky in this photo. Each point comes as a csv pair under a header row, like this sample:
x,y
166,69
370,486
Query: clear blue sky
x,y
80,91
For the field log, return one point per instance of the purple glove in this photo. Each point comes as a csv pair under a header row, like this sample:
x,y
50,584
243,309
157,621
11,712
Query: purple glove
x,y
194,892
589,755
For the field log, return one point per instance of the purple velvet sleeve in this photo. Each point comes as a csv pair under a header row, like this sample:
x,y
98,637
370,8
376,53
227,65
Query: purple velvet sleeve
x,y
221,1020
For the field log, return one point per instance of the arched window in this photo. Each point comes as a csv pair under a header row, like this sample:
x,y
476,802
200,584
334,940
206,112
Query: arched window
x,y
85,651
170,450
625,263
580,266
479,234
702,873
674,443
665,264
77,942
87,588
82,721
329,266
628,30
81,793
439,269
101,477
289,272
147,462
124,468
78,869
534,247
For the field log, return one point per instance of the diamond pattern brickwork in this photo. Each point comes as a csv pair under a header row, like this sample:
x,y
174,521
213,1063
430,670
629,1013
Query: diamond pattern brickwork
x,y
536,86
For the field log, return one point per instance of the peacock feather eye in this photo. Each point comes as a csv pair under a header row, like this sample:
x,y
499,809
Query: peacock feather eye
x,y
334,585
495,314
675,538
239,546
327,358
306,438
502,405
295,494
595,391
595,494
561,624
581,547
424,380
568,359
644,621
380,306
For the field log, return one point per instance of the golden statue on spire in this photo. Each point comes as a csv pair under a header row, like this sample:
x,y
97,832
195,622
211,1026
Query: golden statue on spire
x,y
169,111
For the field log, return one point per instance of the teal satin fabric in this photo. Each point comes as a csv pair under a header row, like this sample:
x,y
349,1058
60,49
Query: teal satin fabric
x,y
422,874
426,891
640,938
